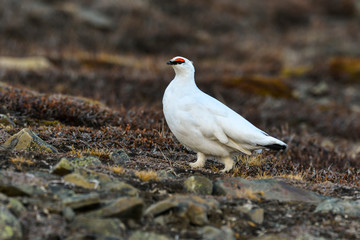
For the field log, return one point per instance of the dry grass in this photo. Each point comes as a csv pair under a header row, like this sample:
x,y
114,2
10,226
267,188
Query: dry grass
x,y
117,169
146,176
101,153
298,176
256,160
19,161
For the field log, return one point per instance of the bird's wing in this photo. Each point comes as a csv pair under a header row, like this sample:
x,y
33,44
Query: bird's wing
x,y
217,122
196,116
241,134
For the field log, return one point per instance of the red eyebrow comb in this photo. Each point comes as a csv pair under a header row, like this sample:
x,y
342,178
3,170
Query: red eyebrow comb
x,y
179,60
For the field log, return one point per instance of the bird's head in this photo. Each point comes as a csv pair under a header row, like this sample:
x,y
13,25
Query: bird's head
x,y
181,65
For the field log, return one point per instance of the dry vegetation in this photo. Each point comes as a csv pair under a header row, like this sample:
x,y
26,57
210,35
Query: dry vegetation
x,y
292,68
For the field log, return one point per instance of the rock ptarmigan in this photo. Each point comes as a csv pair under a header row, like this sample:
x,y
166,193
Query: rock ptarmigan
x,y
207,126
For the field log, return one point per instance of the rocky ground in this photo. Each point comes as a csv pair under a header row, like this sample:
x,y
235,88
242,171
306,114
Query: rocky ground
x,y
85,152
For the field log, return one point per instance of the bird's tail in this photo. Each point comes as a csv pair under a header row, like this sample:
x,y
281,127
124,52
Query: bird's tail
x,y
274,144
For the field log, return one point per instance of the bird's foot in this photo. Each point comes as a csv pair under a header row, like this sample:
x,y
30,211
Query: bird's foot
x,y
196,164
200,162
228,162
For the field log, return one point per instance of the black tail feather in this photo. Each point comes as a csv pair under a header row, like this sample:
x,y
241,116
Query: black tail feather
x,y
276,147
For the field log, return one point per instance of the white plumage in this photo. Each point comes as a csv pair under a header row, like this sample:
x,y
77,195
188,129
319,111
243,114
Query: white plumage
x,y
205,125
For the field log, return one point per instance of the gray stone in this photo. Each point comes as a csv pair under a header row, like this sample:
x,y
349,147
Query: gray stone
x,y
82,200
14,190
68,214
110,227
212,233
255,214
119,157
163,174
121,188
124,208
87,178
271,189
10,227
339,206
6,121
27,140
140,235
63,167
193,208
78,180
198,185
60,191
16,206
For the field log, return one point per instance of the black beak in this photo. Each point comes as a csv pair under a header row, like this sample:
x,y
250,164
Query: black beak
x,y
169,63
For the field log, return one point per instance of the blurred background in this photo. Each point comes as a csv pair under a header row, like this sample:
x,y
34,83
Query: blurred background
x,y
292,63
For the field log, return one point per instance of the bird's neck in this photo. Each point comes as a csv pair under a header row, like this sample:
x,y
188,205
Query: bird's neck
x,y
185,78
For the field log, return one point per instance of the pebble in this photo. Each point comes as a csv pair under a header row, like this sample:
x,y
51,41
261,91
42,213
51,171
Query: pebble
x,y
198,185
193,208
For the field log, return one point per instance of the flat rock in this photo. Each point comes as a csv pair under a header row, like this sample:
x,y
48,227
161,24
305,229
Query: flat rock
x,y
198,185
82,200
81,181
270,189
193,208
10,227
140,235
124,208
98,228
121,188
340,206
15,190
27,140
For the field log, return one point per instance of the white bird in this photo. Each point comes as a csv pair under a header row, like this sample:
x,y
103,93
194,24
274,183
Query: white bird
x,y
207,126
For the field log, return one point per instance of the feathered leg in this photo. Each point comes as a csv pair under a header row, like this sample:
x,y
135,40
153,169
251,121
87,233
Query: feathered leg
x,y
228,162
200,162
